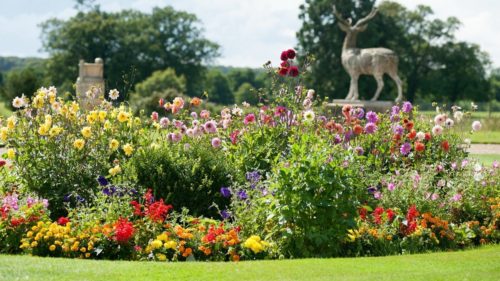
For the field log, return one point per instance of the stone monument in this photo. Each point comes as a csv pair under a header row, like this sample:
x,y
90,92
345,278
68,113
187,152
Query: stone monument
x,y
90,83
370,61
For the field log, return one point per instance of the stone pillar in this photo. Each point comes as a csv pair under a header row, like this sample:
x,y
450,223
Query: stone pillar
x,y
90,83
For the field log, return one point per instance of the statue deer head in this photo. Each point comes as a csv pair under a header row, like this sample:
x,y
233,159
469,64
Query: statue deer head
x,y
371,61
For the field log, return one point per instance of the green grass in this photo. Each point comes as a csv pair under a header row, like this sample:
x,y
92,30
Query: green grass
x,y
486,159
477,264
4,110
486,137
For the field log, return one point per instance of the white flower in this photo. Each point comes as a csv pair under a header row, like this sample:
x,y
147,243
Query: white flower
x,y
114,94
476,126
437,130
478,167
449,123
237,111
420,136
307,103
473,106
309,115
245,104
467,141
458,115
18,102
440,119
478,176
310,94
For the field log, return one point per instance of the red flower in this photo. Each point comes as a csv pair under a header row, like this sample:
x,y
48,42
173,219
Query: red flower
x,y
161,102
362,213
62,221
411,220
357,129
137,208
412,134
284,64
290,53
123,230
409,126
148,196
158,211
445,145
377,214
2,163
293,71
390,214
16,222
283,71
428,136
419,146
284,55
234,136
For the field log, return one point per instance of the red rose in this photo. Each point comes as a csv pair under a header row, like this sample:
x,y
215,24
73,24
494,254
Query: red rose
x,y
62,221
293,71
290,53
284,64
284,55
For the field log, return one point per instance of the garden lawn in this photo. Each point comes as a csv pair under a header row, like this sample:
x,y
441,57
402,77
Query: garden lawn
x,y
4,110
478,264
486,137
486,159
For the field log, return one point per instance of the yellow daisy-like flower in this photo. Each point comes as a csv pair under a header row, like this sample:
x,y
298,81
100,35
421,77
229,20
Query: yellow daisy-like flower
x,y
170,244
11,122
48,120
86,132
114,144
79,144
11,153
54,131
107,125
123,116
115,170
38,101
44,130
52,248
4,133
102,115
128,149
156,244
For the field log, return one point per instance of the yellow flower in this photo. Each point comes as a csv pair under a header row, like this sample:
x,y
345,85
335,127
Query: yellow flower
x,y
86,132
114,144
83,249
11,153
162,237
34,244
123,116
255,244
48,120
115,170
170,245
43,130
4,133
38,101
156,244
87,255
74,107
107,125
91,118
128,149
52,248
102,115
11,122
161,257
54,131
79,144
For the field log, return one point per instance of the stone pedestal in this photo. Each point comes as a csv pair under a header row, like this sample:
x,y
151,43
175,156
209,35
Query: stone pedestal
x,y
90,83
376,106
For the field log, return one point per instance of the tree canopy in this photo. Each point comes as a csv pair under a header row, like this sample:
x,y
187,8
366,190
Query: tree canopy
x,y
433,64
132,44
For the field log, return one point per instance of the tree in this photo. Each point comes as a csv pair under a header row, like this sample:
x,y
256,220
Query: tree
x,y
18,82
132,44
218,88
246,93
426,47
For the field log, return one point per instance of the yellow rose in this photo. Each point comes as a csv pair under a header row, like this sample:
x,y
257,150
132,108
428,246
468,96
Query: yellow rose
x,y
86,132
114,144
128,149
79,144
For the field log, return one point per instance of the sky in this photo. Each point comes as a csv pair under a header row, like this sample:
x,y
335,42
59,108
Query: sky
x,y
250,32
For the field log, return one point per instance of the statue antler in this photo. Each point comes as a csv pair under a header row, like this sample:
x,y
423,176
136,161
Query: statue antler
x,y
367,18
340,18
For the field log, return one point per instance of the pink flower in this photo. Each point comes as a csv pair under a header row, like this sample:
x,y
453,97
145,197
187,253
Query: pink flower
x,y
205,114
250,118
437,130
164,122
216,142
457,197
194,115
211,127
391,186
154,116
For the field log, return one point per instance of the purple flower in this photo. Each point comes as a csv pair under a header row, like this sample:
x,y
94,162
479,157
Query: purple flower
x,y
359,112
407,107
395,110
359,150
106,191
372,117
405,148
372,189
225,214
102,181
457,197
253,176
337,139
225,191
398,129
66,197
391,186
242,195
370,128
45,203
377,195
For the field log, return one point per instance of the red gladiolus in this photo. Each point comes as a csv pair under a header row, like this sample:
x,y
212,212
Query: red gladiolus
x,y
293,71
124,230
419,146
284,55
445,145
290,53
158,211
62,221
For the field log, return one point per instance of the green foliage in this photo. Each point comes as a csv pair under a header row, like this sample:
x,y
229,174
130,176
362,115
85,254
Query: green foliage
x,y
18,82
218,88
186,177
132,44
246,93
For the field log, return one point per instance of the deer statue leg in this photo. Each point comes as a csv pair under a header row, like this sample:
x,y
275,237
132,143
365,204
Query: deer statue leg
x,y
396,79
354,87
380,85
351,89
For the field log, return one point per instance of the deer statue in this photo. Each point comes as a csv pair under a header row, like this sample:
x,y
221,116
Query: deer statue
x,y
370,61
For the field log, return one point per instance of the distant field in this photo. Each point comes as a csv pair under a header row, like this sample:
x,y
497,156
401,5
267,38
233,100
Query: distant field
x,y
486,159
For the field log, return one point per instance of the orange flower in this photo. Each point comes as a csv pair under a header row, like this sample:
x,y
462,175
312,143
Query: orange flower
x,y
196,102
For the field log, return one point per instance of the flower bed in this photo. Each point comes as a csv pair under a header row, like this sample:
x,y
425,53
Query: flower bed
x,y
287,179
